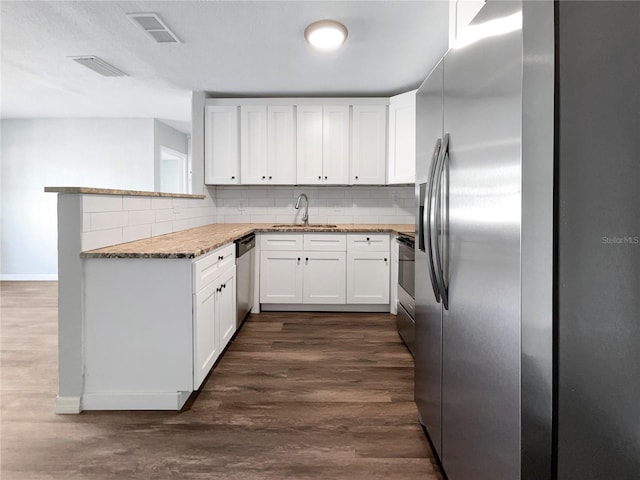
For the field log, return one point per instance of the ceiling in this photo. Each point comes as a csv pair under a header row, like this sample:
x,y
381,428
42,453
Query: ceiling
x,y
230,48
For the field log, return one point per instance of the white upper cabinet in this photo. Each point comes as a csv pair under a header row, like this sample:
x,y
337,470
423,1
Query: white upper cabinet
x,y
253,143
461,13
281,145
335,144
222,146
267,145
309,145
323,144
402,138
282,141
369,145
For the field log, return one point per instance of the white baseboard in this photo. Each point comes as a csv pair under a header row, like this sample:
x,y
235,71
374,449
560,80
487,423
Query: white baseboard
x,y
67,405
9,277
134,401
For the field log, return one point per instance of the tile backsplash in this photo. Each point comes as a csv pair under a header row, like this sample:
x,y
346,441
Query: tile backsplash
x,y
112,219
375,204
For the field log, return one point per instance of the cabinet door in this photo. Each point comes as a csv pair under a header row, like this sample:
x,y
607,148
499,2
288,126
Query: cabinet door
x,y
309,144
369,145
402,138
368,277
281,277
324,277
205,336
253,144
222,146
335,144
281,145
226,307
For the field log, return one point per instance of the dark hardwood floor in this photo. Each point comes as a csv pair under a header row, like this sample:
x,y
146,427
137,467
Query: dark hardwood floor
x,y
296,396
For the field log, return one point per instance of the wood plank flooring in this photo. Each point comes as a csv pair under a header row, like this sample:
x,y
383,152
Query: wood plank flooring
x,y
296,396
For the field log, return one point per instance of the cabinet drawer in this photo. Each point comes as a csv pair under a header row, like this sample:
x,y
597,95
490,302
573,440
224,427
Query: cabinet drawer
x,y
325,242
207,268
368,242
281,241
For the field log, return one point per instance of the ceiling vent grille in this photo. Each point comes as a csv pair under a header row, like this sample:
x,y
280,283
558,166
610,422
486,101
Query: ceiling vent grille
x,y
98,65
154,27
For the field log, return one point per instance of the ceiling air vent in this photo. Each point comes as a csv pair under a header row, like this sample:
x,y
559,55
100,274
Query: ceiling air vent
x,y
154,27
98,65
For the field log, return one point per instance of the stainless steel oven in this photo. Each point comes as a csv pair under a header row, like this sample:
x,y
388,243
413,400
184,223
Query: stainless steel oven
x,y
406,291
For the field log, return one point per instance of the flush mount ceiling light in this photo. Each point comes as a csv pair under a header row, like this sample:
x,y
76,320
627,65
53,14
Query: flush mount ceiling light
x,y
154,27
326,34
100,66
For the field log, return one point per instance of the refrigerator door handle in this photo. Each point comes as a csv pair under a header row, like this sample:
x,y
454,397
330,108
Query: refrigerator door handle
x,y
439,208
428,218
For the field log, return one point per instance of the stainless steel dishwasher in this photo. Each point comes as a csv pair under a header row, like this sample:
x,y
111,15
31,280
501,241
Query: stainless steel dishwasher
x,y
245,256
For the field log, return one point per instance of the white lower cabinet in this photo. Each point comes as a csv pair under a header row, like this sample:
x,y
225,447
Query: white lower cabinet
x,y
205,336
226,307
324,277
214,322
368,277
154,328
281,276
329,269
304,275
368,268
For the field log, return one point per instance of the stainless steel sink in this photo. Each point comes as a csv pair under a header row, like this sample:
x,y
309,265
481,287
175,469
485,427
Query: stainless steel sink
x,y
300,225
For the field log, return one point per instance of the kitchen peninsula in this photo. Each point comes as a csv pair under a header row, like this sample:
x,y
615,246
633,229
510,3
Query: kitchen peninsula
x,y
136,318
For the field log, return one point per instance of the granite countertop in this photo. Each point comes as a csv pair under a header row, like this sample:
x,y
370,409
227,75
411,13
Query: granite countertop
x,y
112,191
198,241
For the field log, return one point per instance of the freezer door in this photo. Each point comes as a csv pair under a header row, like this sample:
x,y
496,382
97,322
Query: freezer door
x,y
428,329
481,328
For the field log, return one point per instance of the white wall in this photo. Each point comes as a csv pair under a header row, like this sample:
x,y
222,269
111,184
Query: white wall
x,y
391,205
166,136
197,142
107,153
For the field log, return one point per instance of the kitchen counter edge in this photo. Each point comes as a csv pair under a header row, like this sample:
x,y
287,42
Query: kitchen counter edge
x,y
114,191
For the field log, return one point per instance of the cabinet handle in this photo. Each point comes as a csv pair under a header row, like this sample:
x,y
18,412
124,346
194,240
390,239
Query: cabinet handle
x,y
219,289
270,177
385,259
368,239
356,177
319,177
224,285
325,177
307,259
298,258
233,178
220,257
263,177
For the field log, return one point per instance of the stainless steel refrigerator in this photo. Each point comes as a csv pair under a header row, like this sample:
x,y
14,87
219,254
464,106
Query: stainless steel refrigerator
x,y
527,252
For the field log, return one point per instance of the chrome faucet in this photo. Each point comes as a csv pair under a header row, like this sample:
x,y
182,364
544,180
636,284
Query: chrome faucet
x,y
305,215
